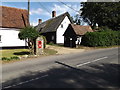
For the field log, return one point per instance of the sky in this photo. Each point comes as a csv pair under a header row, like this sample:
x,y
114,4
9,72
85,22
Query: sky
x,y
43,10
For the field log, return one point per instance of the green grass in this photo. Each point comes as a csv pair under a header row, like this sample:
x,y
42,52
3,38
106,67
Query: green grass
x,y
20,52
14,52
11,55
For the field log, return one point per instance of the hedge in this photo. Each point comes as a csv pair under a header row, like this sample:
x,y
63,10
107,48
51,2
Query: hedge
x,y
103,38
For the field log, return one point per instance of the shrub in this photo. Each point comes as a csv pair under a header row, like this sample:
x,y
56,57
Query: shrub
x,y
11,58
102,38
29,34
4,58
14,58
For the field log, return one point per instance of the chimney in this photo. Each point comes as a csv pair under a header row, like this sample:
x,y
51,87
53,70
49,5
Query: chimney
x,y
39,21
53,14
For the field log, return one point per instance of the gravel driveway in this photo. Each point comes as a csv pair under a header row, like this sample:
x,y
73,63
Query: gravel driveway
x,y
64,50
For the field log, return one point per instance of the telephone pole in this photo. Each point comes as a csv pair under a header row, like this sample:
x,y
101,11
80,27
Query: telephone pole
x,y
28,10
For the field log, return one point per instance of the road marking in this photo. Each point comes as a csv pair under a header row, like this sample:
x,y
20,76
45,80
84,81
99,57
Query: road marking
x,y
91,61
25,82
99,59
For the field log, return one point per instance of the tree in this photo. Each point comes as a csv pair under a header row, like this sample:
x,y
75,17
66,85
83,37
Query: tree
x,y
101,13
76,19
29,34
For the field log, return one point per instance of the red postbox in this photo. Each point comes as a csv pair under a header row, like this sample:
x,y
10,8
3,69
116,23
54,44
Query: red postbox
x,y
39,44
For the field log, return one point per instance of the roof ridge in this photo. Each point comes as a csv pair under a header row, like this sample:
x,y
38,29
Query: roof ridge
x,y
54,17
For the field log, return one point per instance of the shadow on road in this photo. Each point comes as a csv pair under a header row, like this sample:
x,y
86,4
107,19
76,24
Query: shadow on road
x,y
95,76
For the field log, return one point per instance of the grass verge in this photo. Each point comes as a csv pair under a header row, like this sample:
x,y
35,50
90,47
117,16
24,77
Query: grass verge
x,y
11,55
14,52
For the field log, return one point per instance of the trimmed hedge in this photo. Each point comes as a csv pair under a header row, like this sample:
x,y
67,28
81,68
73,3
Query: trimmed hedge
x,y
103,38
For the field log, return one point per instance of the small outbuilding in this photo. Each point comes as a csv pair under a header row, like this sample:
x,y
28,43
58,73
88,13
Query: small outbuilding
x,y
73,34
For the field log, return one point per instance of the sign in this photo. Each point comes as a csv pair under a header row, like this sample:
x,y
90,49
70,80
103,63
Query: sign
x,y
39,44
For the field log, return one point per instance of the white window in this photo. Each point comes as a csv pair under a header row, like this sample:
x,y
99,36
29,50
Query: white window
x,y
52,37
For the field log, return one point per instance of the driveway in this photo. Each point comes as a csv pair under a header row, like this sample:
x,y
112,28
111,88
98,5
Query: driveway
x,y
64,50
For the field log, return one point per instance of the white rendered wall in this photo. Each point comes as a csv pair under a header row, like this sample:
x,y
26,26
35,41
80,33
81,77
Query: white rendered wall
x,y
60,31
78,42
9,38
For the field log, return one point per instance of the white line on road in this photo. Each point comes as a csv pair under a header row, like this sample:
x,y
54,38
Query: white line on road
x,y
99,59
25,82
91,61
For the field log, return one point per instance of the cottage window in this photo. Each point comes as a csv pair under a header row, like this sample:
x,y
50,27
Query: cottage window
x,y
0,37
61,25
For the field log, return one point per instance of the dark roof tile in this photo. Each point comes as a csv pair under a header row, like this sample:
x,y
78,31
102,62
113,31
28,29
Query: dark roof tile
x,y
52,24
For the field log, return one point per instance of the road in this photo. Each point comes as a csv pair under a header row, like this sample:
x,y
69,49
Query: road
x,y
89,69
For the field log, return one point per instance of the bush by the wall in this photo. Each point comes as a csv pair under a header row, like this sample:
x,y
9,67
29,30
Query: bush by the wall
x,y
5,58
10,58
102,38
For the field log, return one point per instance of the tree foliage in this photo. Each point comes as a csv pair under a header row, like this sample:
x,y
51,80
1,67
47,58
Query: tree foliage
x,y
101,13
29,34
76,19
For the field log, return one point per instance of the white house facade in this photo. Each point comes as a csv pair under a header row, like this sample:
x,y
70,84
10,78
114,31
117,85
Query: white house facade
x,y
61,29
9,38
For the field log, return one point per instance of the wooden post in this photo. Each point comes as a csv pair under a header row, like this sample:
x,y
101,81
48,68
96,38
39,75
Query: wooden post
x,y
28,10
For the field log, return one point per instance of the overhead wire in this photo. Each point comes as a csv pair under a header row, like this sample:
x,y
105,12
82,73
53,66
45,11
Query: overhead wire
x,y
45,8
68,6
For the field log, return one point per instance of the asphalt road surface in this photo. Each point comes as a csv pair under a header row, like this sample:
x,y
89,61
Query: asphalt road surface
x,y
89,69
